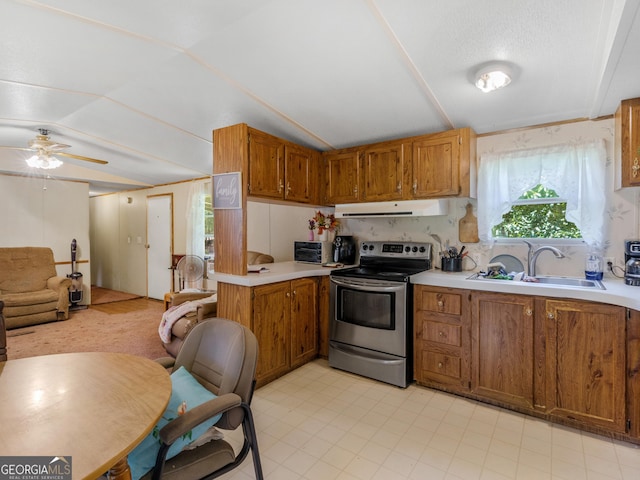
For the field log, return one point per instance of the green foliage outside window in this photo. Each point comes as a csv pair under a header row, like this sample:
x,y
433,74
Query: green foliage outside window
x,y
537,220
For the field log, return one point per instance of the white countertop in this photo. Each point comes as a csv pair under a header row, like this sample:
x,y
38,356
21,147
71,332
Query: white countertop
x,y
278,272
616,293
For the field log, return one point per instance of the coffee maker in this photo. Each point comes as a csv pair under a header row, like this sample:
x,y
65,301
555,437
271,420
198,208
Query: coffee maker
x,y
344,249
632,262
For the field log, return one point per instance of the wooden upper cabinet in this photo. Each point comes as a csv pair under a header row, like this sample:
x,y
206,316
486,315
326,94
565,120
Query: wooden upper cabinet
x,y
586,363
427,166
342,177
282,170
383,173
302,174
627,143
266,165
441,164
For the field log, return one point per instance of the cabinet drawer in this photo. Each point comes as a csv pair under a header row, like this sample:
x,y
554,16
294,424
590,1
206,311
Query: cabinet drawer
x,y
449,303
441,363
442,333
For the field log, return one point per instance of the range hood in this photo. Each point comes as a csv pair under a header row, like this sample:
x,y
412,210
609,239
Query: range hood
x,y
406,208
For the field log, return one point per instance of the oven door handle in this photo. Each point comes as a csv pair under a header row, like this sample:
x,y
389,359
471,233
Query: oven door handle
x,y
370,287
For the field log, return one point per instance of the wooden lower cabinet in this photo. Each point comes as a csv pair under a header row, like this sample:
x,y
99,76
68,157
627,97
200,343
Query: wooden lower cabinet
x,y
304,321
272,326
503,338
441,331
569,361
284,318
586,363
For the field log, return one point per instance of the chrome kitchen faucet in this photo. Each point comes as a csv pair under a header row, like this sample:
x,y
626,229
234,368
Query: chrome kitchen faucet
x,y
533,253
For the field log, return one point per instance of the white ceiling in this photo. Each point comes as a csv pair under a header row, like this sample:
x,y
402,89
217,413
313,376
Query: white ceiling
x,y
143,83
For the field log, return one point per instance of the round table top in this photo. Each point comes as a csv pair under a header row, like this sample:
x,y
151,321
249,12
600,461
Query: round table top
x,y
93,407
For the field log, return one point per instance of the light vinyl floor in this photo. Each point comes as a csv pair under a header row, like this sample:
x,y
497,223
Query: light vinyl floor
x,y
318,423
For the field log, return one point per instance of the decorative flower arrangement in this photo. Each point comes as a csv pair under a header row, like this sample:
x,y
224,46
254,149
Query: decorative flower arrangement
x,y
324,222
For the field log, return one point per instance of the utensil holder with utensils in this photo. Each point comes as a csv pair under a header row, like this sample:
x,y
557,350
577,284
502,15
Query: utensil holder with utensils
x,y
451,264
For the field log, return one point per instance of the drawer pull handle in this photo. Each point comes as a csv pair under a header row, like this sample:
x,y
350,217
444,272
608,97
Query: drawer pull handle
x,y
440,365
441,334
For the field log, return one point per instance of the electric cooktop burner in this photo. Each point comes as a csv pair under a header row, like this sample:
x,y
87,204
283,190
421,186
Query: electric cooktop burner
x,y
390,260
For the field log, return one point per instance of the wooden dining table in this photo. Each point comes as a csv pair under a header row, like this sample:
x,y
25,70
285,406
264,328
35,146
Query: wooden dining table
x,y
92,407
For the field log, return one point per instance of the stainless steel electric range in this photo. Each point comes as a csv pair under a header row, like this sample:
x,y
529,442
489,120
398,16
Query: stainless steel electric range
x,y
371,325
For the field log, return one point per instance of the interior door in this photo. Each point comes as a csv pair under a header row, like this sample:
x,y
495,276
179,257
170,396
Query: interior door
x,y
159,245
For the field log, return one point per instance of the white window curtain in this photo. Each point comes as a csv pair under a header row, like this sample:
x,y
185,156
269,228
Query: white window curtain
x,y
575,171
195,219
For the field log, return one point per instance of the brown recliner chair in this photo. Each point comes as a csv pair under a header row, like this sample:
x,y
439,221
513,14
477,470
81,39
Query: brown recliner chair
x,y
222,356
204,311
30,287
3,336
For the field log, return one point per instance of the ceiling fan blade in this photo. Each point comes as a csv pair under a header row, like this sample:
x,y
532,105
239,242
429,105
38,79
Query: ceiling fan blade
x,y
80,157
19,148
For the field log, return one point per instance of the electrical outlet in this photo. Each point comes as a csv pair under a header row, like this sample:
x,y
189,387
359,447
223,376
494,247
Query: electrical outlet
x,y
607,269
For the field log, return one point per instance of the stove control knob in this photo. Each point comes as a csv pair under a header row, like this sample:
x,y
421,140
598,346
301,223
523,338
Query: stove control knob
x,y
414,249
407,249
422,249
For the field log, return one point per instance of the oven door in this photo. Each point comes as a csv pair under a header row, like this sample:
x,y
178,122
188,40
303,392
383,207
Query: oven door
x,y
369,313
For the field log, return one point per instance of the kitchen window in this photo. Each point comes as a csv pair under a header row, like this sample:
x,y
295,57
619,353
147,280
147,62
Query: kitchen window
x,y
575,172
199,216
538,213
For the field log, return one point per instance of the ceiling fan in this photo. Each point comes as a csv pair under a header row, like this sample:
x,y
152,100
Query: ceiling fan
x,y
45,149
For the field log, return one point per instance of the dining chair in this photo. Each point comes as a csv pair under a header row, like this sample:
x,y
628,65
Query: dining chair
x,y
221,355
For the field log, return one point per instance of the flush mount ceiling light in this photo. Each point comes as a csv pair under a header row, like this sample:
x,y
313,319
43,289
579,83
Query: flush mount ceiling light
x,y
44,161
492,77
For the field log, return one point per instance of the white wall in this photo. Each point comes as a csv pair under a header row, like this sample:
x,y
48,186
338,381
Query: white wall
x,y
119,233
39,212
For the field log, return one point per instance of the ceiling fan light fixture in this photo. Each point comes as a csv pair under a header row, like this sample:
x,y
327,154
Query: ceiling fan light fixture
x,y
44,162
493,77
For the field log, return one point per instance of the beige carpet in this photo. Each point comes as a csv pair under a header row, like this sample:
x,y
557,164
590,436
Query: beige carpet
x,y
133,328
101,295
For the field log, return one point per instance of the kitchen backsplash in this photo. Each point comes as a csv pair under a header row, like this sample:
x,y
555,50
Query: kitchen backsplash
x,y
274,227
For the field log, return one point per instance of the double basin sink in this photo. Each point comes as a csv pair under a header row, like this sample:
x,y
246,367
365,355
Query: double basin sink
x,y
556,281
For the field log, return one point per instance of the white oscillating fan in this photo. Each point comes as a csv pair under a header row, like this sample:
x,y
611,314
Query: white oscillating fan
x,y
190,273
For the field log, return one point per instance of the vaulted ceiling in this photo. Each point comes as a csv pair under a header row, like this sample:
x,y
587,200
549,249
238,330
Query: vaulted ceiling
x,y
143,83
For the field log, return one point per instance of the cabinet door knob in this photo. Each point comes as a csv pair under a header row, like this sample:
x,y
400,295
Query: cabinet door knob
x,y
288,294
288,188
399,187
440,303
415,186
441,334
440,365
280,186
635,167
550,315
528,312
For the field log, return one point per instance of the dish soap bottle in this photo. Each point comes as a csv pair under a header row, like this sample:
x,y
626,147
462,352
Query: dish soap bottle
x,y
593,267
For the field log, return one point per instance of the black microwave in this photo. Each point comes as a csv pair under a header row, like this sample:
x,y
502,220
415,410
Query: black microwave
x,y
312,252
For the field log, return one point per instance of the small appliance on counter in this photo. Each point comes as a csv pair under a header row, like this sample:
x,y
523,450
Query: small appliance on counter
x,y
312,252
344,250
632,262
